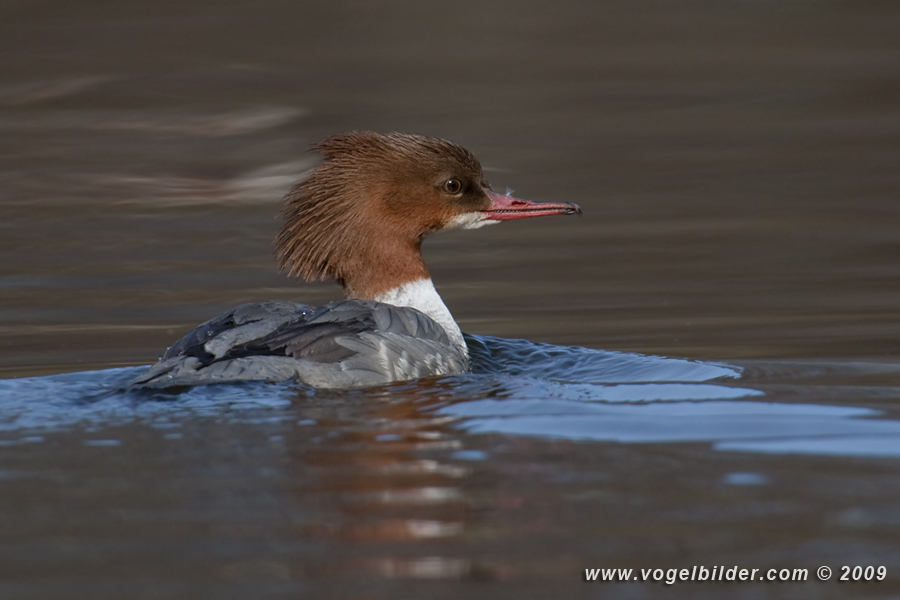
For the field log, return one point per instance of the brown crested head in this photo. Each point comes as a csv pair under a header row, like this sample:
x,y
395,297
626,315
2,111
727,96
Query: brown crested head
x,y
360,216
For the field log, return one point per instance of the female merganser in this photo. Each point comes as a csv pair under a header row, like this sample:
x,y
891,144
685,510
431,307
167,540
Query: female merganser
x,y
359,218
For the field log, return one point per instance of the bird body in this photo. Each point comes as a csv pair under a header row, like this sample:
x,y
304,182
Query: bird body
x,y
358,218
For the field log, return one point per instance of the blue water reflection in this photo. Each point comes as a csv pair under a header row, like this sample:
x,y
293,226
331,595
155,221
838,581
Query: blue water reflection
x,y
516,388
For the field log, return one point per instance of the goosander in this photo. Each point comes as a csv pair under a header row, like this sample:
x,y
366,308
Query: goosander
x,y
359,218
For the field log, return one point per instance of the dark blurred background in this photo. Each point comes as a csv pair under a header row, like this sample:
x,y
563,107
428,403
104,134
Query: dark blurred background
x,y
738,164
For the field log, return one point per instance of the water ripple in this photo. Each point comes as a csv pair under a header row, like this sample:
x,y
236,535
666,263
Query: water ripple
x,y
516,388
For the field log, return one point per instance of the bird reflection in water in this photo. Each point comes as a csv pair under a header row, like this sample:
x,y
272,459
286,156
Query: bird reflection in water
x,y
387,484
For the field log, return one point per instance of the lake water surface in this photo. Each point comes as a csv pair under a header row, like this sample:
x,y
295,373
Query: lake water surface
x,y
711,374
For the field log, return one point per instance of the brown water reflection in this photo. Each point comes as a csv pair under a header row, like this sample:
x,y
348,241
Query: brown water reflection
x,y
737,163
372,494
377,490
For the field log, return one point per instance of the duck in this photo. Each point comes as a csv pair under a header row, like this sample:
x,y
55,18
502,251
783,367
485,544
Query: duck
x,y
359,218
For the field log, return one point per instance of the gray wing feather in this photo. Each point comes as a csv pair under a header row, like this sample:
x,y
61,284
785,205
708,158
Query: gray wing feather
x,y
355,343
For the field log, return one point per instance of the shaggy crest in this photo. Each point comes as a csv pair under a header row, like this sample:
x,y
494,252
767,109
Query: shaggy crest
x,y
341,216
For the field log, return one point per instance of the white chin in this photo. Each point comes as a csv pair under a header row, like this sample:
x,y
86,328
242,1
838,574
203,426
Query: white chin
x,y
472,220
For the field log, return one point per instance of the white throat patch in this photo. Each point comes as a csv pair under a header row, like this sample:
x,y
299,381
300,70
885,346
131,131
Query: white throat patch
x,y
470,220
422,296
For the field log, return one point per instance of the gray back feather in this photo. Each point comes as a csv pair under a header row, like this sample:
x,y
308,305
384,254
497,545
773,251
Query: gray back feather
x,y
354,343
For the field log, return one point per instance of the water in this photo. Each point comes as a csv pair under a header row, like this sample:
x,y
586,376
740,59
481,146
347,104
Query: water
x,y
737,165
542,462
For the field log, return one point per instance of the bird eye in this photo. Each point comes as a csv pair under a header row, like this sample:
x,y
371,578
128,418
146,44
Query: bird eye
x,y
452,186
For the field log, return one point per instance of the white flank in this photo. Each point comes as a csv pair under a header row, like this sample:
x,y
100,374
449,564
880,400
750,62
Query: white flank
x,y
422,296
